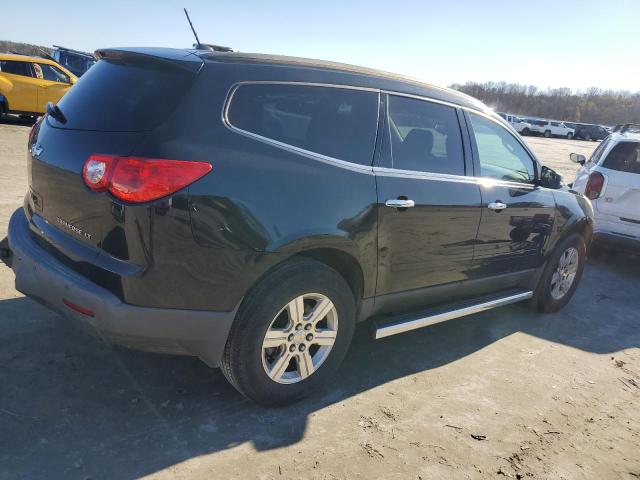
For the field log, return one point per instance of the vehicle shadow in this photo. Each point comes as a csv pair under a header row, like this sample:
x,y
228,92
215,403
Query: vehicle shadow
x,y
16,120
73,406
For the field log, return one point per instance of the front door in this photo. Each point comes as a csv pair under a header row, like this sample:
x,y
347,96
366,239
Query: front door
x,y
53,84
429,206
517,215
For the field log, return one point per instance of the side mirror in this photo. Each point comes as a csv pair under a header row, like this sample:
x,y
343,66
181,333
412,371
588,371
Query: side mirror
x,y
578,158
550,179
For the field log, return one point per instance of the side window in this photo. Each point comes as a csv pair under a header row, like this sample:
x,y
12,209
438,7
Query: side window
x,y
16,68
50,72
337,122
425,136
597,153
501,156
624,157
555,124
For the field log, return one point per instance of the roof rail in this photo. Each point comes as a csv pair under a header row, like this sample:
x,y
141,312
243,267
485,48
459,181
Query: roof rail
x,y
627,127
211,47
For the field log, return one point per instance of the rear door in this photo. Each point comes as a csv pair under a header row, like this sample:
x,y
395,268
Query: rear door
x,y
428,203
23,95
621,195
517,215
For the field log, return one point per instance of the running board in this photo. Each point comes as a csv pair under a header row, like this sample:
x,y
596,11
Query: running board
x,y
441,315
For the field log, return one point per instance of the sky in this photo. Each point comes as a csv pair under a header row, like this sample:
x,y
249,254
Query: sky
x,y
559,43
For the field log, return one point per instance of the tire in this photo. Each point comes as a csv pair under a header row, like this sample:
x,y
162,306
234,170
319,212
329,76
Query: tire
x,y
526,132
545,298
587,137
547,134
261,373
569,136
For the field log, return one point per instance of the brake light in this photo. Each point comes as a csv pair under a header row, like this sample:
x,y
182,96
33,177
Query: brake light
x,y
594,185
33,133
137,180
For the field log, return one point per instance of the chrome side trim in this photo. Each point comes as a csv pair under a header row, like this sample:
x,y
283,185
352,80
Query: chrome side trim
x,y
442,177
395,328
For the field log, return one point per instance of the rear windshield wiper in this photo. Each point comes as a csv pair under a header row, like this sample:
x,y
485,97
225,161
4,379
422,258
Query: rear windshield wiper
x,y
55,112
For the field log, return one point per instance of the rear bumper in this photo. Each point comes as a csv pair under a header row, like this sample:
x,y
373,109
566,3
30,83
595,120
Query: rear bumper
x,y
43,278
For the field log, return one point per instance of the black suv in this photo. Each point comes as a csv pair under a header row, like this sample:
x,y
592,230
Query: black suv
x,y
587,131
250,209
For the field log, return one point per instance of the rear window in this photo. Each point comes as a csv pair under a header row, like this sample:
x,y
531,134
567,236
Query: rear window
x,y
123,96
16,68
624,157
336,122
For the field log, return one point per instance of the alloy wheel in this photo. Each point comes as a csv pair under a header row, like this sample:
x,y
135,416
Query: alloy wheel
x,y
565,273
300,338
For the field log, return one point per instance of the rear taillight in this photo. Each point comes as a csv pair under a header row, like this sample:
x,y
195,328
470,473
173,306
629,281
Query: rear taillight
x,y
136,180
594,186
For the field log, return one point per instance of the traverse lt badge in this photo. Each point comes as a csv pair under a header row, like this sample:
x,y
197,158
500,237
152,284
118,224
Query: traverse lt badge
x,y
74,229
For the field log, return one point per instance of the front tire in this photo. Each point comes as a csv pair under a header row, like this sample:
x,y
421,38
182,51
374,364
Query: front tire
x,y
547,134
561,275
526,131
291,333
569,136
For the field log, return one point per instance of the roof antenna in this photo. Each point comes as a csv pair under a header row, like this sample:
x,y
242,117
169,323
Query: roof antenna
x,y
198,44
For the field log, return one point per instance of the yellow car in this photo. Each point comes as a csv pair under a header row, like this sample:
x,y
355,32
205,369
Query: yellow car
x,y
27,84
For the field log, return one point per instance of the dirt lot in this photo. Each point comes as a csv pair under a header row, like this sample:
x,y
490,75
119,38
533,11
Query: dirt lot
x,y
502,394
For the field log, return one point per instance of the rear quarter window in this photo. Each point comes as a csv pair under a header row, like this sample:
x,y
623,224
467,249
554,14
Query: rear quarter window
x,y
624,157
336,122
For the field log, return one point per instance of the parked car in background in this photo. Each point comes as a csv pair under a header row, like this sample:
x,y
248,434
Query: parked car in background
x,y
520,126
611,180
75,61
537,126
27,84
586,131
250,209
554,128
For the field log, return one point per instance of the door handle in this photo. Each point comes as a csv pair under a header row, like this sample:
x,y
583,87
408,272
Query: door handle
x,y
497,206
400,203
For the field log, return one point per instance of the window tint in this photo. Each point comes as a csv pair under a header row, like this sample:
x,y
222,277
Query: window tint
x,y
501,155
50,72
337,122
425,136
555,124
117,95
17,68
624,157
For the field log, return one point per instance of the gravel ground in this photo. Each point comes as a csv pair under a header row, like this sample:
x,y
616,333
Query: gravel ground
x,y
503,394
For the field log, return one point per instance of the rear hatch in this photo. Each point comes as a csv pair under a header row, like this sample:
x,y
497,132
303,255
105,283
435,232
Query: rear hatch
x,y
111,110
621,197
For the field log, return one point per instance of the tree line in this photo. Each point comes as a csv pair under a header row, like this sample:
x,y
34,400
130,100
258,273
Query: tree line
x,y
7,46
594,105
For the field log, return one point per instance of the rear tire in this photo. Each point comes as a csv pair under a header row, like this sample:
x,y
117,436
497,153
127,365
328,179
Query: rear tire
x,y
270,355
587,137
526,132
547,134
555,287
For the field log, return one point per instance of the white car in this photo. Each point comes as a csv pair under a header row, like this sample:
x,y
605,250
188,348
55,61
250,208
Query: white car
x,y
611,180
553,128
520,126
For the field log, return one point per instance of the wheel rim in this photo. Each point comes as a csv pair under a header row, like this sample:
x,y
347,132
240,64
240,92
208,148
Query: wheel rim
x,y
300,338
565,274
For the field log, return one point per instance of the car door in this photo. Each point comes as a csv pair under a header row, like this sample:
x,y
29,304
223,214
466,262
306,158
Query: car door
x,y
620,197
23,95
53,84
428,204
517,214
